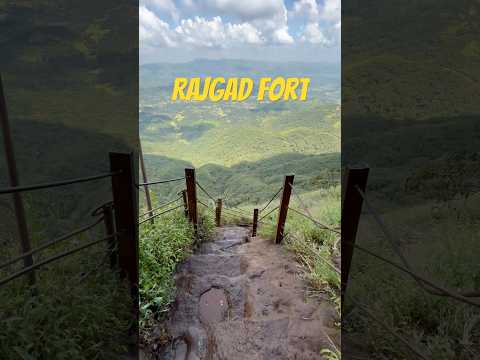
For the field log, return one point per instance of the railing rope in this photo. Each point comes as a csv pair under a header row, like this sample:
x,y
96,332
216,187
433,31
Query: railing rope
x,y
47,185
36,265
273,198
159,182
145,180
159,214
52,242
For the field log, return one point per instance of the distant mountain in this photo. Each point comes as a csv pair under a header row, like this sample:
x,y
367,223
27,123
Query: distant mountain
x,y
161,74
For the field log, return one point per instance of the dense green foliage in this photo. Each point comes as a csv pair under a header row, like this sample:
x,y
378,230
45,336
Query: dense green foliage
x,y
163,245
227,133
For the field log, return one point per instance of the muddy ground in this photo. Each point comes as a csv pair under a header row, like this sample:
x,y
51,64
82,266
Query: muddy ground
x,y
244,298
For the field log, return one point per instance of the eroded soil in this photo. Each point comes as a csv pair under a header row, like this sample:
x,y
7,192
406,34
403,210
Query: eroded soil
x,y
245,300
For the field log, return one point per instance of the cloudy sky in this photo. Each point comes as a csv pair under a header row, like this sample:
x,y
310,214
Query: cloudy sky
x,y
281,30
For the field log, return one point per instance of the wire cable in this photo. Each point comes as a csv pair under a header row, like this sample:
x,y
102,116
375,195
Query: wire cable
x,y
159,182
205,191
159,214
273,198
15,189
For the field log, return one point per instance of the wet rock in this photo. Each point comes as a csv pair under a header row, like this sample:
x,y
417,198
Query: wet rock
x,y
213,306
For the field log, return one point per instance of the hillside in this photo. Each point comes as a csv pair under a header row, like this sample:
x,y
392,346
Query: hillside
x,y
227,133
247,182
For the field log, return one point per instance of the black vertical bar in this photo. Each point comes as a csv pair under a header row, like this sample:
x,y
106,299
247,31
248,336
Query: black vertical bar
x,y
351,210
218,213
255,222
191,196
125,205
282,214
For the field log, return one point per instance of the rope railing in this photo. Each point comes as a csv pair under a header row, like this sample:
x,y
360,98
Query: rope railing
x,y
16,189
205,191
309,214
273,198
326,261
431,288
52,242
231,213
160,207
239,211
53,258
393,332
271,211
446,292
159,214
159,182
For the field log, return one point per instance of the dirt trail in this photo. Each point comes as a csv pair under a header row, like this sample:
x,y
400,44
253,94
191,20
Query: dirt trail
x,y
245,300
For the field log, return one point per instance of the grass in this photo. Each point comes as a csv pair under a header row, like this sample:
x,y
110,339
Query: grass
x,y
81,310
315,248
163,245
440,327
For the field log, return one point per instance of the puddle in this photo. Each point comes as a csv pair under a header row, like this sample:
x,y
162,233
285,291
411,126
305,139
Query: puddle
x,y
213,306
181,350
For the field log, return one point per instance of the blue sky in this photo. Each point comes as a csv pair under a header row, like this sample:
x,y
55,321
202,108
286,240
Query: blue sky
x,y
268,30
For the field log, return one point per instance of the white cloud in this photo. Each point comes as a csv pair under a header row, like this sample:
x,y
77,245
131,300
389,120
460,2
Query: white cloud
x,y
314,35
331,10
322,21
162,6
247,9
245,33
153,31
282,37
307,8
198,32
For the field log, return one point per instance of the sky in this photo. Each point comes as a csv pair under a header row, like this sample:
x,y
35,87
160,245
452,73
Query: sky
x,y
266,30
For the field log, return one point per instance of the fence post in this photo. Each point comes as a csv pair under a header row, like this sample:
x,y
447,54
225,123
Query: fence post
x,y
146,188
109,230
191,196
218,213
126,216
185,204
282,214
14,180
351,210
255,221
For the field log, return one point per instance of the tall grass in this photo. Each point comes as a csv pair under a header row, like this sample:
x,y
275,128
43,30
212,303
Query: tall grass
x,y
163,245
440,327
315,248
81,310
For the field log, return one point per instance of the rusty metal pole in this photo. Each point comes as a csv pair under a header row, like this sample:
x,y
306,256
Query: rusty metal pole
x,y
218,213
351,210
14,181
185,203
282,214
255,222
145,180
191,196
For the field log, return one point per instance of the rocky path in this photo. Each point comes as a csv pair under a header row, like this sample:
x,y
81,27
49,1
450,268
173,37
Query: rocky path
x,y
245,300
